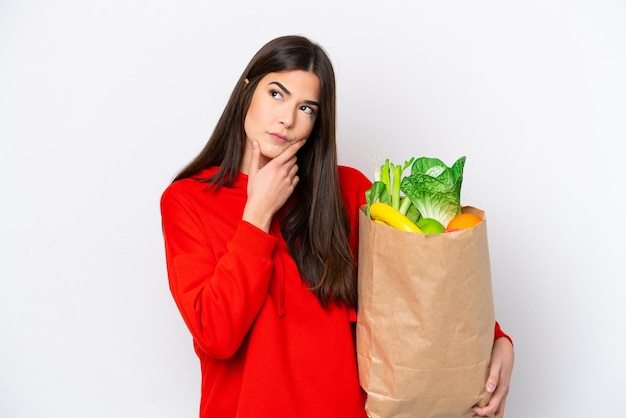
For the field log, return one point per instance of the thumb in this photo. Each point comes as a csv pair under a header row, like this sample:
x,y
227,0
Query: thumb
x,y
492,380
255,159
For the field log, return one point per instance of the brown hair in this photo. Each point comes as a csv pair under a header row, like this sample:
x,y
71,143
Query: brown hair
x,y
316,228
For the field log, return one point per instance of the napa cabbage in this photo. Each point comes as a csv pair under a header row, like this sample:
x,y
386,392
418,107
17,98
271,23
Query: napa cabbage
x,y
434,189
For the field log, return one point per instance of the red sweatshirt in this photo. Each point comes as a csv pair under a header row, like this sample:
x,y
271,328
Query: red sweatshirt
x,y
266,346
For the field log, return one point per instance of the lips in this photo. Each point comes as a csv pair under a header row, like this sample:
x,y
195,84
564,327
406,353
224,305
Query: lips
x,y
278,137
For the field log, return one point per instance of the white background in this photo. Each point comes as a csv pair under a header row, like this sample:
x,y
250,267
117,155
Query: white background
x,y
102,102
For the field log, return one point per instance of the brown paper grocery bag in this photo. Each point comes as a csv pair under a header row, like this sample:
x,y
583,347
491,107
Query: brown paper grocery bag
x,y
425,323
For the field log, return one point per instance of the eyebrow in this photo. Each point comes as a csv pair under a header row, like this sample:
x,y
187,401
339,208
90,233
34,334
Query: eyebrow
x,y
284,89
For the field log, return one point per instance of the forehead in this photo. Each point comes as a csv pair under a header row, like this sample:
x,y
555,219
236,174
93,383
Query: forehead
x,y
300,84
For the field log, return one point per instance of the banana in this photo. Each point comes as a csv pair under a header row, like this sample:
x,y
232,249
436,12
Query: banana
x,y
383,212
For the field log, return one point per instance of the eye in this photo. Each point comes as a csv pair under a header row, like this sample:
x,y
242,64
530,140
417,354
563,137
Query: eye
x,y
276,94
307,109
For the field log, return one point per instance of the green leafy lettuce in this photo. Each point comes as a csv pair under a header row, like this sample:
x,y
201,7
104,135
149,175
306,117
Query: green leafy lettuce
x,y
434,188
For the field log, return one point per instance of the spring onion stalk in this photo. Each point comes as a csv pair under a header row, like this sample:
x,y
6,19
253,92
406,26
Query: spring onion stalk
x,y
385,175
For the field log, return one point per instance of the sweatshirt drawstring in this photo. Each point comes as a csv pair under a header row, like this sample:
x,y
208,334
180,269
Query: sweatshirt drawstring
x,y
277,284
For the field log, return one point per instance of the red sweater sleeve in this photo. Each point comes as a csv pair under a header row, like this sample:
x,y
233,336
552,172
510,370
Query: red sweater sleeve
x,y
218,277
499,334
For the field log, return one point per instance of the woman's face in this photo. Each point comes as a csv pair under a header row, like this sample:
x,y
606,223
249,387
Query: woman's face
x,y
282,111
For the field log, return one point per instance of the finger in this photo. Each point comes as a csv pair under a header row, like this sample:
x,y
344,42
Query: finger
x,y
290,151
293,174
500,411
255,159
494,405
488,409
294,170
298,144
494,377
295,181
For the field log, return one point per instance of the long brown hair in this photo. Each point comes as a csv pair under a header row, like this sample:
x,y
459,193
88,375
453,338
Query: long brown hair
x,y
316,228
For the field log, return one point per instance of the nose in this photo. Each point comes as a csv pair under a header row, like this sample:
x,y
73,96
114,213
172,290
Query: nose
x,y
287,117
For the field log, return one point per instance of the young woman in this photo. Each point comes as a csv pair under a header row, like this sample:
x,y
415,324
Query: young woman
x,y
260,234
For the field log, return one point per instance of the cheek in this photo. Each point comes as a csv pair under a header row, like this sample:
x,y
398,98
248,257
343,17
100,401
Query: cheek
x,y
305,127
251,121
254,108
256,117
247,124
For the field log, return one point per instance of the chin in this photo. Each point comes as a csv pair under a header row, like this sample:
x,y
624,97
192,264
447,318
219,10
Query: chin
x,y
271,151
